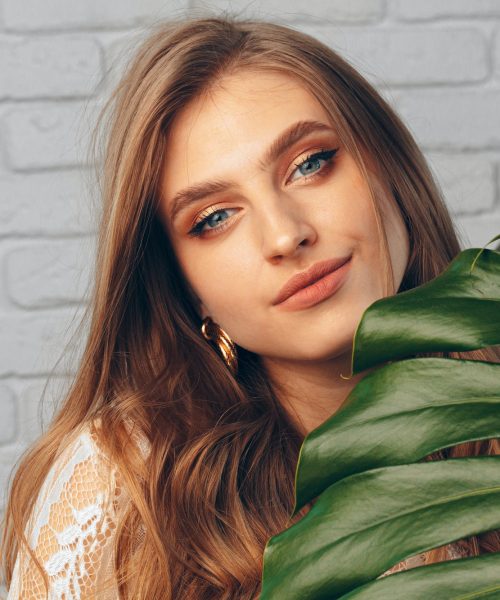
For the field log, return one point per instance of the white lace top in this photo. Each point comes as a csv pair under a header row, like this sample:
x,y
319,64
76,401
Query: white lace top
x,y
73,524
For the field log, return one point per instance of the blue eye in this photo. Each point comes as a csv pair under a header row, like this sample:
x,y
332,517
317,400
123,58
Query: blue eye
x,y
197,230
312,159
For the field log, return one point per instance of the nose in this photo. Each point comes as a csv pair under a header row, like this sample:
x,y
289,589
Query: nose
x,y
284,227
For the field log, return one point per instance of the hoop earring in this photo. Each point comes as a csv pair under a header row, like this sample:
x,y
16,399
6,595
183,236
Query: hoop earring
x,y
213,332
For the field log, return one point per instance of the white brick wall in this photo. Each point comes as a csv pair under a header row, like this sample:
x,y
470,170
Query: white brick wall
x,y
31,67
437,61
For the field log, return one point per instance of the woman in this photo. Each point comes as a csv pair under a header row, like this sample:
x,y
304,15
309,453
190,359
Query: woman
x,y
243,161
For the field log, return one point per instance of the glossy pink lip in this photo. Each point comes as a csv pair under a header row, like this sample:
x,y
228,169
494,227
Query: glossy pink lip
x,y
308,277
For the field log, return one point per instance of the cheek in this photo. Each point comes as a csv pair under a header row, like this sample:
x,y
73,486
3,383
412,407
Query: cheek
x,y
346,217
346,206
222,278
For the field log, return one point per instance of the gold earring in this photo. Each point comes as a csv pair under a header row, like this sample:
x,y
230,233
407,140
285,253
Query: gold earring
x,y
213,332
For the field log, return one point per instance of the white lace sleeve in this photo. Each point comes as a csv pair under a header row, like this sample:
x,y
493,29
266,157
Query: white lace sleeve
x,y
72,527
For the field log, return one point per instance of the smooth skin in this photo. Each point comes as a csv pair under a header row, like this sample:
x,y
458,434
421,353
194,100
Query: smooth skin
x,y
277,220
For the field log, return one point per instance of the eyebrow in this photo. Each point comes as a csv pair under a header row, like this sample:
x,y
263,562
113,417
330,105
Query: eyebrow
x,y
286,139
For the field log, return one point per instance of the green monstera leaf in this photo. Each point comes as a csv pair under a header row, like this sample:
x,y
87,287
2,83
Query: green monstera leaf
x,y
376,505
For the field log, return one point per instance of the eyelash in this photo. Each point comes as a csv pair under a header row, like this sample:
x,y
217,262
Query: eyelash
x,y
327,155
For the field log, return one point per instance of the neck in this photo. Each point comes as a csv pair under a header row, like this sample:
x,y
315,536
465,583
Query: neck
x,y
312,391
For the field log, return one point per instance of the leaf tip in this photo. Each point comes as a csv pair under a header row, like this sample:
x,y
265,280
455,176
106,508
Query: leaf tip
x,y
493,239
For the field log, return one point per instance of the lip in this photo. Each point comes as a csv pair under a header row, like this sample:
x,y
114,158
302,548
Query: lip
x,y
315,284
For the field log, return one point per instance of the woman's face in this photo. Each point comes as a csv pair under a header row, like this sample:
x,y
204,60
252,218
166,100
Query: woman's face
x,y
278,215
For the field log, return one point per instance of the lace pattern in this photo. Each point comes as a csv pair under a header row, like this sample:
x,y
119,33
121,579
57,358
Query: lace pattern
x,y
71,527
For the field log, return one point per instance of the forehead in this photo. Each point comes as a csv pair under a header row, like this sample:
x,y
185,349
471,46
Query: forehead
x,y
222,133
240,100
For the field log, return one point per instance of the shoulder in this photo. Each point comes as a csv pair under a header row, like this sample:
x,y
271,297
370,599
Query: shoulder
x,y
83,470
71,527
81,478
83,475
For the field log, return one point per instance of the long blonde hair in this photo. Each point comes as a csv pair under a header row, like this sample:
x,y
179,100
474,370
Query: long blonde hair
x,y
218,479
